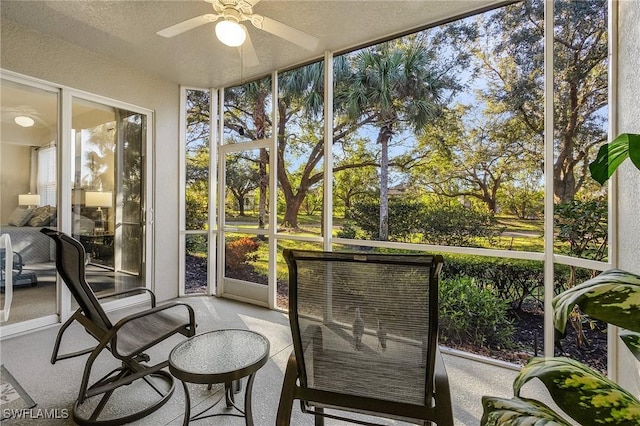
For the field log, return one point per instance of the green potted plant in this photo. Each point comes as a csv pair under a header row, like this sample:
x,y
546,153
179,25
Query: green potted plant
x,y
585,395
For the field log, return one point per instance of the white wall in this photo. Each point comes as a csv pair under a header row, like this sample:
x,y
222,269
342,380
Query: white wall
x,y
33,54
15,164
628,177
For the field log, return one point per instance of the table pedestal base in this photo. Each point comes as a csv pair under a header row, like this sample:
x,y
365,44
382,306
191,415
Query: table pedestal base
x,y
229,390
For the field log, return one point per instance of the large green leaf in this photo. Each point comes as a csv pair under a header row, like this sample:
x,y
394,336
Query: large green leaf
x,y
518,412
584,394
612,154
632,340
612,297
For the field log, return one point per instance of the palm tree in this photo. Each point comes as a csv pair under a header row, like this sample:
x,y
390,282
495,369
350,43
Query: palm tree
x,y
394,86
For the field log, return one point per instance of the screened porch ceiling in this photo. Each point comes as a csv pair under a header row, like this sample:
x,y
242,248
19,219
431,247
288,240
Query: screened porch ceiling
x,y
125,31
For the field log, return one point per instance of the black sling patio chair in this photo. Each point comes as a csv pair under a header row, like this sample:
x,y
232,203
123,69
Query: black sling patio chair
x,y
364,330
127,340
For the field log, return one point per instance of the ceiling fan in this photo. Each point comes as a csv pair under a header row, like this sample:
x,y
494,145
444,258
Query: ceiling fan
x,y
231,32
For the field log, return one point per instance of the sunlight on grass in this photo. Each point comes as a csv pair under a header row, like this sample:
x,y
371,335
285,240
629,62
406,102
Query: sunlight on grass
x,y
514,224
261,264
519,235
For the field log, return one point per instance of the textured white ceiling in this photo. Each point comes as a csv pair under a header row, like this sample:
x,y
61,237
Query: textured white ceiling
x,y
125,31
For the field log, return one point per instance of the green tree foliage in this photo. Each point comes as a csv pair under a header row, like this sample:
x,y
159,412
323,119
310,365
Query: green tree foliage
x,y
313,202
300,99
523,197
395,85
197,189
197,160
583,226
242,176
513,64
132,168
247,118
351,184
461,157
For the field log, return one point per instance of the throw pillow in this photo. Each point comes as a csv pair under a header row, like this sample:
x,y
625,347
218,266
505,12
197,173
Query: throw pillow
x,y
42,216
20,216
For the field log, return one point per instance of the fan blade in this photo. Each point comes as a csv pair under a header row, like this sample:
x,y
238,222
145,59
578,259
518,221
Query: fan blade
x,y
187,25
248,52
286,32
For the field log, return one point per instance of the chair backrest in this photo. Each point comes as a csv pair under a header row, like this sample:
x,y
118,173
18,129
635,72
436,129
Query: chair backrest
x,y
70,256
365,324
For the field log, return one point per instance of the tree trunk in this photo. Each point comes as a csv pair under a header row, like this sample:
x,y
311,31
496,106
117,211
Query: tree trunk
x,y
241,206
383,138
264,184
291,212
259,117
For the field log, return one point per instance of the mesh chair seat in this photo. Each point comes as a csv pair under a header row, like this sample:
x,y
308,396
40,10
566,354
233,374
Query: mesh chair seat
x,y
387,380
142,333
364,331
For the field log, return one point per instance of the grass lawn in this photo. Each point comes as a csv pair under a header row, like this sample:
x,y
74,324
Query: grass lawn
x,y
519,234
514,224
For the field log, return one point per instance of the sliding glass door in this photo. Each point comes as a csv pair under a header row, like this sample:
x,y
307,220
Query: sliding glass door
x,y
28,196
77,163
107,199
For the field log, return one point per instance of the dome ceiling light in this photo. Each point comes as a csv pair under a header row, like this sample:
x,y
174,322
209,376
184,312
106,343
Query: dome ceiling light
x,y
24,121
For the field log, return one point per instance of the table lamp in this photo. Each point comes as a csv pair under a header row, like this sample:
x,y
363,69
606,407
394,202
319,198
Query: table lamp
x,y
99,199
29,200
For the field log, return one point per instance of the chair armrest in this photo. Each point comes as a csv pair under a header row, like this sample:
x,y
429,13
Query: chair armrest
x,y
131,290
123,321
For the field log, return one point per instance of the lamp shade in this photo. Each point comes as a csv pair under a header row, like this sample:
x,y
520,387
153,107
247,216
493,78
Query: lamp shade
x,y
98,199
28,199
230,33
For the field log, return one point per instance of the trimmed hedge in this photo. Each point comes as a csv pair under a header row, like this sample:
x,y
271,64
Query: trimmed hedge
x,y
513,280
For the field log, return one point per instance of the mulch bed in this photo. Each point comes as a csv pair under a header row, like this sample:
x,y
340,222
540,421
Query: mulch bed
x,y
528,341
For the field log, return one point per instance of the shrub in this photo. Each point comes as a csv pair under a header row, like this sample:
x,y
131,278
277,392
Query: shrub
x,y
410,220
195,244
583,225
472,315
512,280
363,219
456,225
240,251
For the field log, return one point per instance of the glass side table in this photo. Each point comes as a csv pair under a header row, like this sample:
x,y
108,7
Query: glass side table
x,y
221,356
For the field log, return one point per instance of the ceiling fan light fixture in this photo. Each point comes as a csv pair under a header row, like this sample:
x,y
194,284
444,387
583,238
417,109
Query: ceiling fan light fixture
x,y
24,121
231,33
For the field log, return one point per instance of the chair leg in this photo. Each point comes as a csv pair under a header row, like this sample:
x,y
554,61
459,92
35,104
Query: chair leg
x,y
56,345
319,418
288,393
84,384
442,393
92,413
